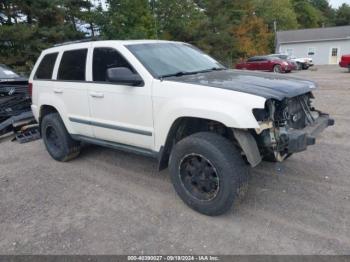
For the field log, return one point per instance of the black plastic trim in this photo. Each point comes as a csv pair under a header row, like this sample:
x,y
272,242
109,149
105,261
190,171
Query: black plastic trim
x,y
299,140
109,126
89,82
118,146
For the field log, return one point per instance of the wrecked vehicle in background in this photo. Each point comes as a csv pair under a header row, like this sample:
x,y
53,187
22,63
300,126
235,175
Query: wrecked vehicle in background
x,y
15,101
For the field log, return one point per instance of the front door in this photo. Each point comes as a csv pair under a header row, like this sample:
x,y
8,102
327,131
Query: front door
x,y
119,113
334,55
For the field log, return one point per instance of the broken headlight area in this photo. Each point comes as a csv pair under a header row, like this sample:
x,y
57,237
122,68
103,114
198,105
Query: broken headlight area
x,y
288,126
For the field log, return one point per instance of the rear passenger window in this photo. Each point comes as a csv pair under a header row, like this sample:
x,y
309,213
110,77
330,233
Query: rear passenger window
x,y
46,66
72,65
105,58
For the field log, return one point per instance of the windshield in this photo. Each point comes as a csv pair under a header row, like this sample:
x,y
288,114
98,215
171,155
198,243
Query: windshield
x,y
7,73
283,57
173,59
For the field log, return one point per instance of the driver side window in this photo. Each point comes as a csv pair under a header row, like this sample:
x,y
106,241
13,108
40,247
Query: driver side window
x,y
105,58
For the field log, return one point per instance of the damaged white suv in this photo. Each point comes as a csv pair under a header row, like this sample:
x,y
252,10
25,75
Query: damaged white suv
x,y
170,101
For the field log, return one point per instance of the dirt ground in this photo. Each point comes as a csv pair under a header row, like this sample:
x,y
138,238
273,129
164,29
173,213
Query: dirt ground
x,y
110,202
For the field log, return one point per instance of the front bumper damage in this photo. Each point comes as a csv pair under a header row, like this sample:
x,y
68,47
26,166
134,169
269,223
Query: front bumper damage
x,y
299,140
288,126
270,143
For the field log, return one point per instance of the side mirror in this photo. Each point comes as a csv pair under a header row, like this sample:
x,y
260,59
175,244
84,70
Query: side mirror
x,y
123,75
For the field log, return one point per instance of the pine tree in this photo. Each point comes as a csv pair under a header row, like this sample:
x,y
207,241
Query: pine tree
x,y
280,12
343,15
307,15
127,19
177,20
30,26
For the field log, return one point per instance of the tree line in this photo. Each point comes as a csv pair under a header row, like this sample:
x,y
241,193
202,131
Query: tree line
x,y
227,29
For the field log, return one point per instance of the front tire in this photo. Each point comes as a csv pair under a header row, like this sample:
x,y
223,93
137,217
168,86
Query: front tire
x,y
208,172
277,69
299,66
305,67
57,140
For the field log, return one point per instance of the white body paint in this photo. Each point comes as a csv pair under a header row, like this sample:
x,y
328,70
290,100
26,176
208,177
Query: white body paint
x,y
151,108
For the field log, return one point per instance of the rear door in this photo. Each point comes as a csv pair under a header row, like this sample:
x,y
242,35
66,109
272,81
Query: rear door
x,y
120,113
71,91
42,79
252,64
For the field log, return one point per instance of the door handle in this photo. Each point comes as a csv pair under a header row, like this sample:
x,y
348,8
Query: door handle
x,y
58,91
97,95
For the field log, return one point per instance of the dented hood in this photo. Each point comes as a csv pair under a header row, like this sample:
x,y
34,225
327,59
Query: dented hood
x,y
267,85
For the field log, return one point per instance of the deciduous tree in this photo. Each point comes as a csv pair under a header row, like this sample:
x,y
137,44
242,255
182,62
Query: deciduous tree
x,y
279,11
252,36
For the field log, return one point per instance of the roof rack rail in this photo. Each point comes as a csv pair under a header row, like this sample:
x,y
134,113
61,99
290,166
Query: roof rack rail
x,y
78,41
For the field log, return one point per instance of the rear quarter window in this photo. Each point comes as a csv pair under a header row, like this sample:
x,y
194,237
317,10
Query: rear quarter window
x,y
45,68
72,65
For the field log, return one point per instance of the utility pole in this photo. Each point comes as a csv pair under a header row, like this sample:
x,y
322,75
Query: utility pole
x,y
155,18
275,31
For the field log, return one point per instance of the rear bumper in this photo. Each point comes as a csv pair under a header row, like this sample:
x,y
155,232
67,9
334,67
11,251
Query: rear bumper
x,y
299,140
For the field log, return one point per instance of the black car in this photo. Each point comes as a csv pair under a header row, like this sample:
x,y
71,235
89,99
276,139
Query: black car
x,y
14,96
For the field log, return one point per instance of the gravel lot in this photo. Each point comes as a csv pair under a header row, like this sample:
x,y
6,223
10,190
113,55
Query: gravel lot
x,y
110,202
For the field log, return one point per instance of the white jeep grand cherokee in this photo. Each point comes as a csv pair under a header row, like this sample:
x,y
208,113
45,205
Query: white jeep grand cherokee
x,y
170,101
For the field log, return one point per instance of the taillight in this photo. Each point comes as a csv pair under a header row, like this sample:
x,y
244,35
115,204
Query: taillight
x,y
30,89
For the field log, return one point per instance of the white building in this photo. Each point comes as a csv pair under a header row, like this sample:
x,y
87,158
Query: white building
x,y
324,45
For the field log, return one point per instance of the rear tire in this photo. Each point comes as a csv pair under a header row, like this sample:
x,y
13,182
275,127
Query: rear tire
x,y
208,173
57,140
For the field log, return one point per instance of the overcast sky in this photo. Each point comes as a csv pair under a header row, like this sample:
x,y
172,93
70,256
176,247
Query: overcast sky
x,y
337,3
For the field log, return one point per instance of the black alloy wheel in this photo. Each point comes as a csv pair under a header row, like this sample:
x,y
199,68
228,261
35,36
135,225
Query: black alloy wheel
x,y
53,140
199,177
208,172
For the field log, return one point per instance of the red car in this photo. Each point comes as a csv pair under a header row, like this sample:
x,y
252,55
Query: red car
x,y
345,61
266,63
